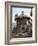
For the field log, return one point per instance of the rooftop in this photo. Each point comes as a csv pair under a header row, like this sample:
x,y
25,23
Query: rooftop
x,y
22,15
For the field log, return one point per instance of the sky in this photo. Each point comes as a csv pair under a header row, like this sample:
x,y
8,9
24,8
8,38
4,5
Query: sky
x,y
16,10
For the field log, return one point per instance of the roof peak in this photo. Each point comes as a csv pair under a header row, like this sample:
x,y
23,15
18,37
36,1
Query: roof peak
x,y
22,13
